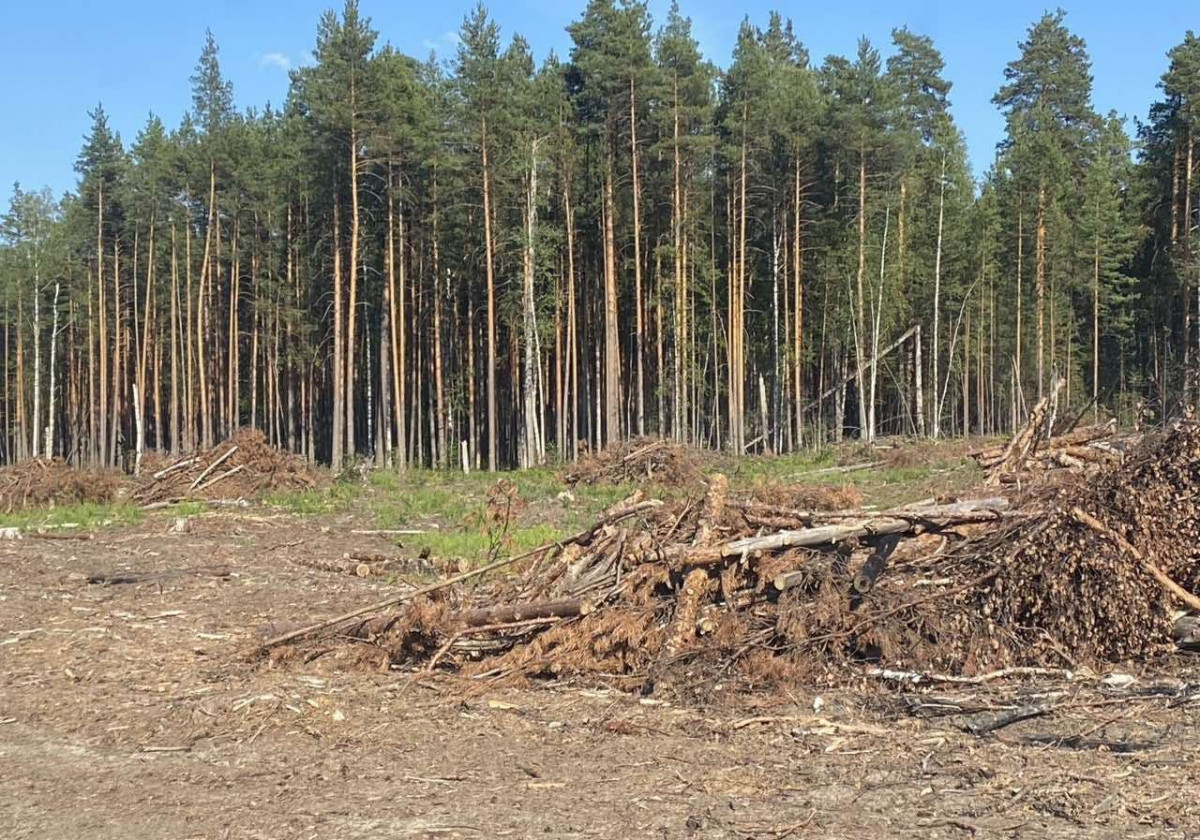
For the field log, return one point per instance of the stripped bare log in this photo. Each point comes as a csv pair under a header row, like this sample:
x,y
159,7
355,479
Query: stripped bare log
x,y
213,466
906,521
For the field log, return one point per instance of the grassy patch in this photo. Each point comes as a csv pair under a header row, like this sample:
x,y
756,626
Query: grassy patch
x,y
85,516
336,497
475,546
188,508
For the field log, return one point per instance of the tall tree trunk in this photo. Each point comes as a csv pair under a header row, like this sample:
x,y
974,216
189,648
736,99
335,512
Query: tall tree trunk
x,y
1096,320
35,427
101,411
114,429
739,322
935,349
1040,283
798,307
1020,341
875,331
176,441
640,326
147,323
530,453
352,308
860,321
443,419
205,283
48,449
337,442
612,349
491,300
571,396
679,354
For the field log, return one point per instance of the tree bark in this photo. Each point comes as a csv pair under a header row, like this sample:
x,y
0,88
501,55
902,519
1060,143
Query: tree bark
x,y
491,301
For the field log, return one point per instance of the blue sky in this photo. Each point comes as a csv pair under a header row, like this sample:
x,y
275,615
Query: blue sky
x,y
62,57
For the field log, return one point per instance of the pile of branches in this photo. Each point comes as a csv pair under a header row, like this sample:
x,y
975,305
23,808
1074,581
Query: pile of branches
x,y
245,467
752,590
658,593
1108,567
644,459
1040,446
43,482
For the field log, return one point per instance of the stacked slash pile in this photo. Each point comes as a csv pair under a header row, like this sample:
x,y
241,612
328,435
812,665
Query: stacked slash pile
x,y
1093,574
639,460
43,482
684,593
757,590
245,466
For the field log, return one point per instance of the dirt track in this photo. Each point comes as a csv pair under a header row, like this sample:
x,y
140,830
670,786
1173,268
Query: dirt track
x,y
130,711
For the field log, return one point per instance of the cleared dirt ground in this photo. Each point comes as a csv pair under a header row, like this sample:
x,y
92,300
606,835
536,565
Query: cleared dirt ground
x,y
131,710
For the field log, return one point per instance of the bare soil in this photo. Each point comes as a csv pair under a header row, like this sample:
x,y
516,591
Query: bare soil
x,y
132,710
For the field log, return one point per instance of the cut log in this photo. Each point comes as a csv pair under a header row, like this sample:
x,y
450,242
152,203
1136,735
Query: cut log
x,y
213,466
518,613
904,521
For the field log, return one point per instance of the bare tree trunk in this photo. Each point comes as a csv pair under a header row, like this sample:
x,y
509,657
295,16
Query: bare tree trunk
x,y
679,356
50,395
100,412
737,329
189,378
175,438
1096,321
935,349
860,320
612,349
798,307
1017,412
918,367
875,331
205,282
443,418
35,427
352,308
1040,280
639,329
396,320
530,451
491,301
147,324
114,429
571,398
337,442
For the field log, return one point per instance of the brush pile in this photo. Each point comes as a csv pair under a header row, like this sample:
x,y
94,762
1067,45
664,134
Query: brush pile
x,y
245,466
1041,446
641,460
43,482
756,590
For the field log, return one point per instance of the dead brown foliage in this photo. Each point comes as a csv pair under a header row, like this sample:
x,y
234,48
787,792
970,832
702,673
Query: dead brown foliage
x,y
245,466
50,483
640,460
657,607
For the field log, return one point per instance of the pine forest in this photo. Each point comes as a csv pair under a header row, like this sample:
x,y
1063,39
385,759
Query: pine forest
x,y
495,262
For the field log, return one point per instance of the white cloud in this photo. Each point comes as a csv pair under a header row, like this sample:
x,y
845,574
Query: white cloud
x,y
448,40
275,59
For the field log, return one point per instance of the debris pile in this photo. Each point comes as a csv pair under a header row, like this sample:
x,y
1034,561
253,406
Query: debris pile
x,y
245,466
1041,446
758,589
43,482
1104,570
640,460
